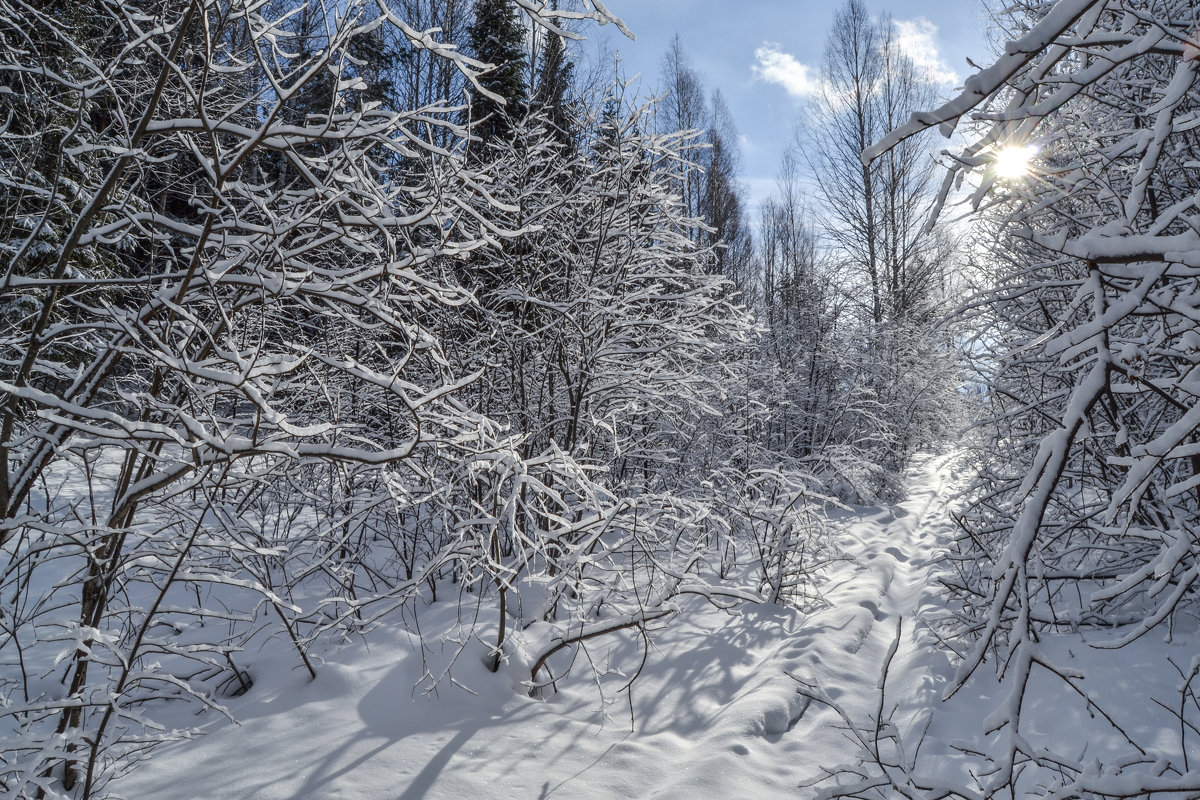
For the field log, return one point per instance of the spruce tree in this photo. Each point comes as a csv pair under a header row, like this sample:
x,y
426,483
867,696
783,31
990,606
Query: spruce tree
x,y
496,38
551,93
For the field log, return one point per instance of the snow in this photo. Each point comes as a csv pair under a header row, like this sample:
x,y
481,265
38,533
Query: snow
x,y
716,711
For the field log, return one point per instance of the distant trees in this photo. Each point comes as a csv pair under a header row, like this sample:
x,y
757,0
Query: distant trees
x,y
712,194
821,413
554,76
723,200
842,269
422,77
685,109
852,279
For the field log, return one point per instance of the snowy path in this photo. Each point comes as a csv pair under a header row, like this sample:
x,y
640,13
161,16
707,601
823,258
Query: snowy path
x,y
887,590
716,713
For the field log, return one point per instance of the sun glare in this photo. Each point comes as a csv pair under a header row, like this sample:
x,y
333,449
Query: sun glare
x,y
1012,162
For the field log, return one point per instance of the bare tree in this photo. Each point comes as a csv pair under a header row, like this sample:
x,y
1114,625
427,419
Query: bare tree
x,y
424,78
873,213
872,225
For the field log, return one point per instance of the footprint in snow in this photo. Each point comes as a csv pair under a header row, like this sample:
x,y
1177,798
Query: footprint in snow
x,y
874,609
860,638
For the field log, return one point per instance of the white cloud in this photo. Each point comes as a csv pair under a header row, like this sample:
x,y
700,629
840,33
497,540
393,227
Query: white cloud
x,y
917,39
775,66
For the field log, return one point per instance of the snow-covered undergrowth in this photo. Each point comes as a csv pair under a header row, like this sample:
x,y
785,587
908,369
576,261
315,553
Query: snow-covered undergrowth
x,y
843,697
716,711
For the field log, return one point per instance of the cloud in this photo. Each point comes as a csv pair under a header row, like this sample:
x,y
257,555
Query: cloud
x,y
917,39
775,66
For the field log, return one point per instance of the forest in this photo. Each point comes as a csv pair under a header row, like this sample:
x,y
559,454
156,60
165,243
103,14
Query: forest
x,y
385,383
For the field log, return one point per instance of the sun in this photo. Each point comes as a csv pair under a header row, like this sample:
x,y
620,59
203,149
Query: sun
x,y
1013,161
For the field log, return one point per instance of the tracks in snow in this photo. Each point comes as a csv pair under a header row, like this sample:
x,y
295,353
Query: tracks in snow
x,y
881,587
884,588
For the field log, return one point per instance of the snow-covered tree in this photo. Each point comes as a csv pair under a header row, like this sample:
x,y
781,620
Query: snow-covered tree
x,y
216,293
821,411
600,331
880,254
1086,514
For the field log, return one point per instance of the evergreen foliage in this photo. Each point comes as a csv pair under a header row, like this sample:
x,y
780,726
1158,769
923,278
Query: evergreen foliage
x,y
552,92
501,94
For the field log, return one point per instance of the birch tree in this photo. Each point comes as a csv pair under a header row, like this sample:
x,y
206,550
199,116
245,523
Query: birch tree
x,y
872,223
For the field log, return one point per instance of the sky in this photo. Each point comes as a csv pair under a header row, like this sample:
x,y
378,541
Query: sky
x,y
765,56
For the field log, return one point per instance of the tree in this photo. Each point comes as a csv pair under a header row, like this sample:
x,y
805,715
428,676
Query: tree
x,y
824,410
713,195
685,110
1085,513
874,213
850,121
217,387
722,203
604,269
873,222
602,336
552,88
502,93
423,78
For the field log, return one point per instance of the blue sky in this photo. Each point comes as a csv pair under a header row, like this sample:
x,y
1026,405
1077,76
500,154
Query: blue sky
x,y
764,54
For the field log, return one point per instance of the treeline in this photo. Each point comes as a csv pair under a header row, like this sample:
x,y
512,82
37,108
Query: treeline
x,y
312,315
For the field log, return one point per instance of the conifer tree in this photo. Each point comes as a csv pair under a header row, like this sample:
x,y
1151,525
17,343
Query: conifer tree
x,y
721,201
555,72
496,38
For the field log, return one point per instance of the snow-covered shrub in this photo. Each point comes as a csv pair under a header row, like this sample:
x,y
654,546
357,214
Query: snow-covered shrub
x,y
218,301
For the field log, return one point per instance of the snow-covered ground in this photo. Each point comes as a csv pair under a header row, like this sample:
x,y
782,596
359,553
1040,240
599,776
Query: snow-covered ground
x,y
715,712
